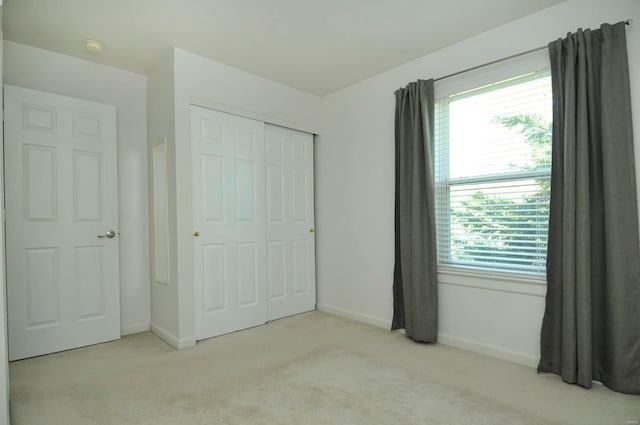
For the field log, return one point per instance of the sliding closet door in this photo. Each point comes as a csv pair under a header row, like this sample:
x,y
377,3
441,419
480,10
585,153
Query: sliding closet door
x,y
229,226
290,222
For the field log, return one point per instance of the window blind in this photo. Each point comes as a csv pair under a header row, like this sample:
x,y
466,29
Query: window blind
x,y
493,161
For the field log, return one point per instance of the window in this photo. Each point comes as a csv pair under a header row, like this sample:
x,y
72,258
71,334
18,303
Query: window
x,y
493,165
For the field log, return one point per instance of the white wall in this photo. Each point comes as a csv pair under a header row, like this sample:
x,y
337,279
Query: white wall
x,y
55,73
355,187
211,84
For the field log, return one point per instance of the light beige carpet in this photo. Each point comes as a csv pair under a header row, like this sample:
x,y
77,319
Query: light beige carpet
x,y
309,369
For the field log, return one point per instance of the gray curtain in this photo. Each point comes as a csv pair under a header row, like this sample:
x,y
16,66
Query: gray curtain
x,y
415,301
591,325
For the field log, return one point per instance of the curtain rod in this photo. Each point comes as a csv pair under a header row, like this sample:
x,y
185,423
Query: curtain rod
x,y
537,49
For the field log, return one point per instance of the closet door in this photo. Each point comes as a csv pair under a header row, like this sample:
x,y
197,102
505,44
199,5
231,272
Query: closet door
x,y
290,222
229,226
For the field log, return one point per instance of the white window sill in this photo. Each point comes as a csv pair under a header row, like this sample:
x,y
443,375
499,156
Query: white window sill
x,y
493,281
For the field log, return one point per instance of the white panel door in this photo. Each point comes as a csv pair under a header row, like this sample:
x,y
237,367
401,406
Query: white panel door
x,y
229,228
290,222
62,218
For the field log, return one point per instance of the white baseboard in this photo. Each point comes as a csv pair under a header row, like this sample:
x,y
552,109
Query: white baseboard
x,y
171,339
374,321
186,342
453,341
167,336
134,329
488,350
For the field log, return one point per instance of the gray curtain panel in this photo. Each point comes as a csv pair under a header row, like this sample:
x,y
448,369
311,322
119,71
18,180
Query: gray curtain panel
x,y
591,325
415,287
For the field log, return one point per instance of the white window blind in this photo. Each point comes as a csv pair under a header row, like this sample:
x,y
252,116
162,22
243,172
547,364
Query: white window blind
x,y
493,162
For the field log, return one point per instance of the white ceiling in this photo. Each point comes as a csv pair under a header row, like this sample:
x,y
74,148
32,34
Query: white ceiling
x,y
317,46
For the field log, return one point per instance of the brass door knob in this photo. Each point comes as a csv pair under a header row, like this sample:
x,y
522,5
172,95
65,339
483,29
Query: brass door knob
x,y
196,233
312,230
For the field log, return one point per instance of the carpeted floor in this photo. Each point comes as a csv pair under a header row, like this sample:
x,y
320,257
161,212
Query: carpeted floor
x,y
308,369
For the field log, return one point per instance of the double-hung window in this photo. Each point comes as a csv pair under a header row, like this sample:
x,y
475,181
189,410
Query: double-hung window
x,y
493,163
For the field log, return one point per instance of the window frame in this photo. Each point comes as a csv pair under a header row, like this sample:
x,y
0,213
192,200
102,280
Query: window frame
x,y
457,273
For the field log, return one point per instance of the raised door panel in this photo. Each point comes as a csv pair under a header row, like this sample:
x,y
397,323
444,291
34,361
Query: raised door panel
x,y
299,193
212,172
39,118
43,287
245,139
245,191
88,193
214,278
300,260
299,150
210,132
89,281
275,194
87,126
246,271
276,269
40,183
